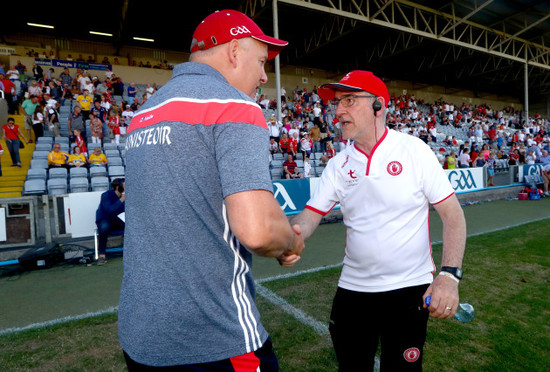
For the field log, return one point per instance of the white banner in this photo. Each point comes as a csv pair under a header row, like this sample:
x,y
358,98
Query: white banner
x,y
466,179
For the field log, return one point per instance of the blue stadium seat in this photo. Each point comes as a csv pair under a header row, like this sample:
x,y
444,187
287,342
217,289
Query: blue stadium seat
x,y
34,187
79,184
100,183
57,186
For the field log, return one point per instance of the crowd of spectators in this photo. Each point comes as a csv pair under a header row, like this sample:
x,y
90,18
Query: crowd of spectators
x,y
41,95
482,135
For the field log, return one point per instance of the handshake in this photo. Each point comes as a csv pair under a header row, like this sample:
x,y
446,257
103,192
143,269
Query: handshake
x,y
293,254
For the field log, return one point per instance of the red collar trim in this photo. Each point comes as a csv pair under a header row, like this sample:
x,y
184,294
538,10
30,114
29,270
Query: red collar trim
x,y
386,130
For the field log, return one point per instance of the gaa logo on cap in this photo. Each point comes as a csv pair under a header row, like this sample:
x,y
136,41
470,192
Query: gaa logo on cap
x,y
239,30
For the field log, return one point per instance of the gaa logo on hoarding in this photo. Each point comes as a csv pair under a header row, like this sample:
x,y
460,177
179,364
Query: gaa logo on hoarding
x,y
462,180
280,191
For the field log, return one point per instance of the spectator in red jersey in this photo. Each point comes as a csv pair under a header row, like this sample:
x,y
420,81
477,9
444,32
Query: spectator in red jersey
x,y
284,143
290,168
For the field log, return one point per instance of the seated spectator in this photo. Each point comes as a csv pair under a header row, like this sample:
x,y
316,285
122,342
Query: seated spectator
x,y
77,159
531,157
290,168
273,146
284,143
513,157
293,144
131,90
128,114
329,154
97,158
107,218
545,158
57,158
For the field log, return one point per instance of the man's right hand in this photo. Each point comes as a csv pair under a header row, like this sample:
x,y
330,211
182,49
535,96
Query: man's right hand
x,y
292,256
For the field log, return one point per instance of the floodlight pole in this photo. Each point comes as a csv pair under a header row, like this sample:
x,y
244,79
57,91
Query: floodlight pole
x,y
526,93
277,61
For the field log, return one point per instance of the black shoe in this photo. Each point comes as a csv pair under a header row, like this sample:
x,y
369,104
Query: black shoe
x,y
13,165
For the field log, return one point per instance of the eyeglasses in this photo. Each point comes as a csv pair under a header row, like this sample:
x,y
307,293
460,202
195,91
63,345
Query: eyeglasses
x,y
348,101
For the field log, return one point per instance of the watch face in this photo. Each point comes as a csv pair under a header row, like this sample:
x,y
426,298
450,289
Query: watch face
x,y
456,271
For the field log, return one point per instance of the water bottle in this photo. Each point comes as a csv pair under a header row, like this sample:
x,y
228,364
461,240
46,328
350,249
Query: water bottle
x,y
465,312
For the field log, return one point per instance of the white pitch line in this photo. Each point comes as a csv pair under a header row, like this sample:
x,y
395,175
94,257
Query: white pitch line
x,y
319,327
110,310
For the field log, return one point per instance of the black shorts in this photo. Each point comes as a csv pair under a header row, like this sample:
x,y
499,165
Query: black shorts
x,y
396,319
264,358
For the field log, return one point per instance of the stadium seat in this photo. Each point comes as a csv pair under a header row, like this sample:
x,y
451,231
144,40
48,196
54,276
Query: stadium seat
x,y
79,172
43,146
42,140
34,187
58,173
98,171
37,173
277,164
116,171
110,146
115,160
100,183
40,154
111,153
79,184
57,186
39,163
64,140
276,174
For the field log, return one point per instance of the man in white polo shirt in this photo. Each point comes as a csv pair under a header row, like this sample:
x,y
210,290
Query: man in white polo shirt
x,y
385,182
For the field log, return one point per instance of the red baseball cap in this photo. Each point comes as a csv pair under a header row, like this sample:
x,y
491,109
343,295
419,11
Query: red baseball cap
x,y
223,26
356,81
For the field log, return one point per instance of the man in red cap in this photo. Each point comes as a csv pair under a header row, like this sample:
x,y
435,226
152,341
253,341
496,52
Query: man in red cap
x,y
194,216
385,182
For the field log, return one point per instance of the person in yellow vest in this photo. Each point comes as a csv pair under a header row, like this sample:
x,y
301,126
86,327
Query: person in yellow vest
x,y
97,158
77,159
85,101
57,158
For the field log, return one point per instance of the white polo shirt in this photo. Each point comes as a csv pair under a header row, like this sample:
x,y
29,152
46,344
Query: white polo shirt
x,y
385,201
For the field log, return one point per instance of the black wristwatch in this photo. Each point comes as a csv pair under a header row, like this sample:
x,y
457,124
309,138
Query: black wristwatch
x,y
456,271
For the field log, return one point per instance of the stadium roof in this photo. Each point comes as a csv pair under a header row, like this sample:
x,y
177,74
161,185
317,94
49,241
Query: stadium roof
x,y
479,45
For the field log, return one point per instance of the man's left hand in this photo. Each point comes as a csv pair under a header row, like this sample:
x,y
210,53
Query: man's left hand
x,y
444,297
